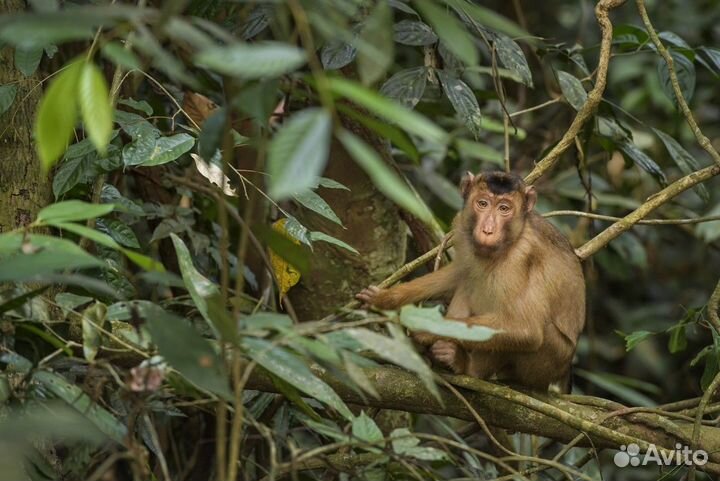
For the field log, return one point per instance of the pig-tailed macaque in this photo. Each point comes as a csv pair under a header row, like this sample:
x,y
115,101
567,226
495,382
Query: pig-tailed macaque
x,y
513,272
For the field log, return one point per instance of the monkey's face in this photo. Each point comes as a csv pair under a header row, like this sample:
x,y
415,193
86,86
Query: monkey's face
x,y
498,220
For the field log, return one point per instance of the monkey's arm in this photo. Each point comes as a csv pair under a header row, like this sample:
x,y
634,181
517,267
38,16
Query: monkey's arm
x,y
435,284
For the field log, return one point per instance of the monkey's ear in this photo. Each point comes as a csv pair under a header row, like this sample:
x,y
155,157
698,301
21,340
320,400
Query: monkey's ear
x,y
531,198
466,183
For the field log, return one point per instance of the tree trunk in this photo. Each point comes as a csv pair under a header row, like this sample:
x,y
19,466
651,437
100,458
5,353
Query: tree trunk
x,y
24,189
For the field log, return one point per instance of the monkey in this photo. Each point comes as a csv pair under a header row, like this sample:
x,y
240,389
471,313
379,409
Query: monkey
x,y
514,272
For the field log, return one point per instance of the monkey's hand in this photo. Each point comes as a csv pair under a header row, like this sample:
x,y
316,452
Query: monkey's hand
x,y
377,297
424,338
449,354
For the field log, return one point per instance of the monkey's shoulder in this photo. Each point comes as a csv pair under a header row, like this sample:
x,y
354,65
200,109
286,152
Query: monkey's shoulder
x,y
548,234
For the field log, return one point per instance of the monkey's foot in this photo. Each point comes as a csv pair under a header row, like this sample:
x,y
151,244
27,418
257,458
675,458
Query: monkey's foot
x,y
445,353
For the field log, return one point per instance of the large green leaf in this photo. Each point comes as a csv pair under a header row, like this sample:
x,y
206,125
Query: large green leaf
x,y
298,153
685,71
253,61
168,149
415,33
317,204
75,397
405,118
384,179
200,288
431,320
293,370
95,107
487,17
398,351
57,115
73,210
512,57
450,30
27,59
336,55
462,99
642,159
7,96
572,89
684,161
406,86
184,348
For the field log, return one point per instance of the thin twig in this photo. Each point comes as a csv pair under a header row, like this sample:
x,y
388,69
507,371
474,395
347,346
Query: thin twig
x,y
578,213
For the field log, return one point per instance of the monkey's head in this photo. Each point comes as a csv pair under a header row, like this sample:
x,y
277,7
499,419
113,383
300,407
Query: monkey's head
x,y
496,207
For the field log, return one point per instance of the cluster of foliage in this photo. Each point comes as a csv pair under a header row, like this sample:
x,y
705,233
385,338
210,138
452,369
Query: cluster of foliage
x,y
162,326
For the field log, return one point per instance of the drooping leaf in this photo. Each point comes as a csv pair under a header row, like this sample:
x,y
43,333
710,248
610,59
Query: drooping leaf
x,y
376,51
75,397
94,99
27,59
57,115
391,111
336,55
298,153
296,255
93,319
322,237
475,150
210,139
685,71
73,210
7,97
572,89
635,338
253,61
684,161
293,370
645,162
406,86
184,348
414,33
450,30
431,320
462,99
489,18
119,55
383,178
710,58
311,200
398,351
512,57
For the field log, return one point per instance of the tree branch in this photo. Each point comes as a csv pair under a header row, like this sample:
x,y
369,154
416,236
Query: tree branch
x,y
602,11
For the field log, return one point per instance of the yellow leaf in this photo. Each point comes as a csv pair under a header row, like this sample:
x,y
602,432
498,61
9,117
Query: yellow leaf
x,y
286,275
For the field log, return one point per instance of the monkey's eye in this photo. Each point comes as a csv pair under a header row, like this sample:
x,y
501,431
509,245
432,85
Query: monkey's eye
x,y
504,208
482,203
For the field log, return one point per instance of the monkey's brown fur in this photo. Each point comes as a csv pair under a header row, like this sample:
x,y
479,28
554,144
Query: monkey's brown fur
x,y
513,272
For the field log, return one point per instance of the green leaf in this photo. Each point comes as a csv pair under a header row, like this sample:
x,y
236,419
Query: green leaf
x,y
23,258
93,319
322,237
710,58
365,429
390,111
431,320
293,370
685,71
298,153
405,443
377,49
450,30
72,210
168,149
572,89
684,161
296,255
211,135
119,55
317,204
75,397
406,86
616,386
462,99
57,115
709,231
253,61
678,340
488,18
200,288
119,231
441,187
139,105
398,351
7,97
645,162
383,178
335,55
414,33
94,99
468,149
27,59
184,348
512,57
635,338
111,195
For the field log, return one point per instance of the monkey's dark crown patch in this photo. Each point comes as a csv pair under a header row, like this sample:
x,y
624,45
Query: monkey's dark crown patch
x,y
503,182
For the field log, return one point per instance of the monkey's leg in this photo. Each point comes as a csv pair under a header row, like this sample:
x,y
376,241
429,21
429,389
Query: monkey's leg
x,y
547,365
